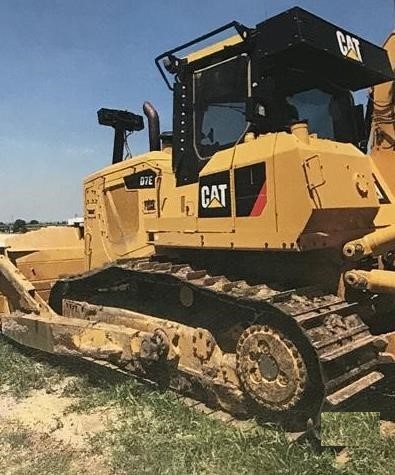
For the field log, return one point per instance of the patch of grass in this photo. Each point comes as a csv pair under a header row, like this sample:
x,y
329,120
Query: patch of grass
x,y
348,428
97,386
24,452
373,456
21,373
15,436
158,435
368,453
57,461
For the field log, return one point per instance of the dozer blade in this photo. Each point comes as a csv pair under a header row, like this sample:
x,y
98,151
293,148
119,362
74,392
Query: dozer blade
x,y
32,322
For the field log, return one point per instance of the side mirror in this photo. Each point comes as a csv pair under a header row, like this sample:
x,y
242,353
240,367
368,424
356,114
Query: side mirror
x,y
256,110
260,106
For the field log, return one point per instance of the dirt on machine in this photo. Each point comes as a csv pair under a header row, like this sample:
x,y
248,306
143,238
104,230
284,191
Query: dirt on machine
x,y
247,259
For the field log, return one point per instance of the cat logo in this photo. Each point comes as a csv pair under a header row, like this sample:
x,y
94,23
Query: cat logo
x,y
349,46
213,196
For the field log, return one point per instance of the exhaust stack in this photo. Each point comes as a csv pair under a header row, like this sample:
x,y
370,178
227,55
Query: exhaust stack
x,y
153,126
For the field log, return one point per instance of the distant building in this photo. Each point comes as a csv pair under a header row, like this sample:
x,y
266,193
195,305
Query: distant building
x,y
75,221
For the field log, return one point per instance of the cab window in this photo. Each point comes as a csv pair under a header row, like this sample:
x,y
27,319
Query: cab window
x,y
220,94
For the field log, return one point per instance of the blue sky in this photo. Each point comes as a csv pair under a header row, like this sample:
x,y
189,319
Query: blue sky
x,y
61,60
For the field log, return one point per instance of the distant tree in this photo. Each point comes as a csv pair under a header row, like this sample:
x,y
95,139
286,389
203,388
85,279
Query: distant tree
x,y
33,221
19,226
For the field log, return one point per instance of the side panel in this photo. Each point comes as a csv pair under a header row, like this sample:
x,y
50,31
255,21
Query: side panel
x,y
285,194
118,200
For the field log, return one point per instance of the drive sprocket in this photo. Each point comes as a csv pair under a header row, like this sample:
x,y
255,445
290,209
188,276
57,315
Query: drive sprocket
x,y
270,367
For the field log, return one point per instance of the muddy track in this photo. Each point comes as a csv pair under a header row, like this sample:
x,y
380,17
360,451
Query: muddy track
x,y
337,351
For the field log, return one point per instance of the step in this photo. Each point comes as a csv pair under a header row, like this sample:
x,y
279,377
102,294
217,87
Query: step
x,y
357,386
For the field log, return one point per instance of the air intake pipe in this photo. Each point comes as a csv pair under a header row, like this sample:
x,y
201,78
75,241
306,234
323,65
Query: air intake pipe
x,y
153,126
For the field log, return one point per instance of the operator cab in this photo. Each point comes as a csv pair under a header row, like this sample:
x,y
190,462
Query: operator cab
x,y
222,95
297,95
293,67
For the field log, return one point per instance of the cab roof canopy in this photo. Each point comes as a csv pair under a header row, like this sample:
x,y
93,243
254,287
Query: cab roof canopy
x,y
296,39
299,39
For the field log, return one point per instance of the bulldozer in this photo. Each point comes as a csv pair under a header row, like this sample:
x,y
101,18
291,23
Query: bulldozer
x,y
247,259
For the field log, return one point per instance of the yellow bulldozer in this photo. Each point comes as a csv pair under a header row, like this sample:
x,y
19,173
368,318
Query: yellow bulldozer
x,y
247,259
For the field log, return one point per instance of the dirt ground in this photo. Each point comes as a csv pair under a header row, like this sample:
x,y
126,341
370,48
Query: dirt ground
x,y
51,426
387,429
50,414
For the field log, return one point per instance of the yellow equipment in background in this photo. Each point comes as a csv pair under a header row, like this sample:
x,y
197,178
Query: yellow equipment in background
x,y
45,254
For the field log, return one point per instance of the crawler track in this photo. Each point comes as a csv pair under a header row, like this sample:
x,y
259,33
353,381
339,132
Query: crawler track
x,y
332,355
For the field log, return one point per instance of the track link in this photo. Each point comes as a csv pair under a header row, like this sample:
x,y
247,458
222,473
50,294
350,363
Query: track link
x,y
340,353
